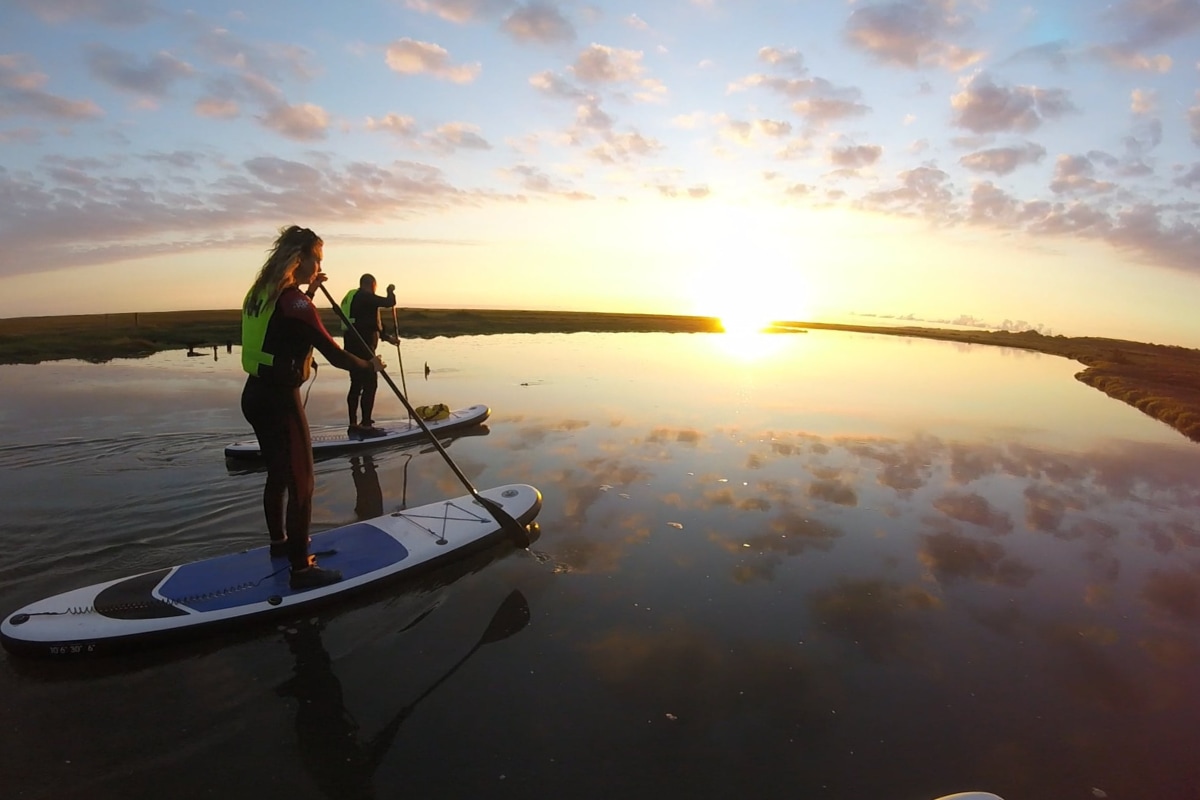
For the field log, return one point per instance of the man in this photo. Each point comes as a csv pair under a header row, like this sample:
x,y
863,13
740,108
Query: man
x,y
361,306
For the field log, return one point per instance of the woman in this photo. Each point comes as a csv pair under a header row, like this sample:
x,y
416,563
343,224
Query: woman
x,y
280,328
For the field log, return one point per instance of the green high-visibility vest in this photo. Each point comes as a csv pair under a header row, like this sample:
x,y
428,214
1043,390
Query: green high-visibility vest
x,y
347,301
254,333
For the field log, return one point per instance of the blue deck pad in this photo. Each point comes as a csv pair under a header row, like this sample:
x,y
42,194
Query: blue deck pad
x,y
242,579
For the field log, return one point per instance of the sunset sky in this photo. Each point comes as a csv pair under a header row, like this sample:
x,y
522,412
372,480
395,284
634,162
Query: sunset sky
x,y
1000,164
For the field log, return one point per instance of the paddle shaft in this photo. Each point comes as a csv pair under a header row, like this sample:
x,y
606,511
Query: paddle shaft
x,y
399,358
499,514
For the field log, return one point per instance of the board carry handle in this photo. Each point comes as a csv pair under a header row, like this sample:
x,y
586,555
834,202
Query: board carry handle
x,y
502,517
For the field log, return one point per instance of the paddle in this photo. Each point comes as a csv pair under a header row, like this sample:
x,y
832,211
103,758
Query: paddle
x,y
399,358
513,528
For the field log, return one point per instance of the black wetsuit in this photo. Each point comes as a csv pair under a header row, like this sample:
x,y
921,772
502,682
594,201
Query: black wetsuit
x,y
271,404
364,310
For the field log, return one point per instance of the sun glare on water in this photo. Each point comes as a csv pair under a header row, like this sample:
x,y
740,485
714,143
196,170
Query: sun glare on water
x,y
744,322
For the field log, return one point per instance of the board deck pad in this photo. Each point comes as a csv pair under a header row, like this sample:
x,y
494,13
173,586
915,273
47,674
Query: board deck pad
x,y
237,587
334,440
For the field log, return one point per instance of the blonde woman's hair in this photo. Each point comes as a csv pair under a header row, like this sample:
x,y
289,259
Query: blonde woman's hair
x,y
293,244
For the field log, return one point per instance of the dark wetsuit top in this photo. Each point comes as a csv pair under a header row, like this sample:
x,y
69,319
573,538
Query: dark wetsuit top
x,y
364,310
271,404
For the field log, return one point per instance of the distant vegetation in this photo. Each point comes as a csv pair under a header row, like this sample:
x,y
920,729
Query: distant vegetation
x,y
1160,380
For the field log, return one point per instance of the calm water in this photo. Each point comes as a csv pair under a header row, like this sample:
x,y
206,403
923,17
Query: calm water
x,y
813,566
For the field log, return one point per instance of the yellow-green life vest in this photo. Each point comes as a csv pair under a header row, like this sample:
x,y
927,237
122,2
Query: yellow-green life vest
x,y
254,333
348,301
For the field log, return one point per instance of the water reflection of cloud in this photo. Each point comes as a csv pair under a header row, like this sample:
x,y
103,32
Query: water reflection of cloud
x,y
1173,593
1175,652
833,491
883,618
975,509
761,544
905,465
770,696
951,556
1044,508
1166,536
662,435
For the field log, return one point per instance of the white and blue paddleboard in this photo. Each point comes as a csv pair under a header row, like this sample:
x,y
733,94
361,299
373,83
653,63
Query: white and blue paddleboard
x,y
182,601
338,440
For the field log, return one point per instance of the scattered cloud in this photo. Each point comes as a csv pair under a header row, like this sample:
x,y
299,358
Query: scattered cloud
x,y
117,13
123,71
984,107
1003,160
410,57
461,11
21,94
537,22
912,33
600,64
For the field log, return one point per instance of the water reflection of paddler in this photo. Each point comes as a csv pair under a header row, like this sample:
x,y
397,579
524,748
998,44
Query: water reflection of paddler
x,y
368,494
340,762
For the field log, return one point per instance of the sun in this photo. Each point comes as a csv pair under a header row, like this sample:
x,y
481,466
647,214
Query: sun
x,y
742,321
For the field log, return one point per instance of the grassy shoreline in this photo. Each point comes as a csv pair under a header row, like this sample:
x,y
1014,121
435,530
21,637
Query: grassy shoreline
x,y
1162,381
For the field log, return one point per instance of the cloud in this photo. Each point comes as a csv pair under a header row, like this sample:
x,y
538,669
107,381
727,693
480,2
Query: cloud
x,y
590,116
1056,54
284,174
745,133
1122,58
268,61
118,13
1148,23
1143,101
217,108
1003,160
410,57
823,110
550,83
600,64
624,147
855,156
1074,174
788,60
535,180
1190,179
304,122
984,107
911,33
457,136
54,219
21,94
460,11
396,124
122,71
924,191
20,135
538,22
636,22
1193,117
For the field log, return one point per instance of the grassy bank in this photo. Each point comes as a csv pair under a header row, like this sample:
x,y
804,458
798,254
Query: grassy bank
x,y
101,337
1160,380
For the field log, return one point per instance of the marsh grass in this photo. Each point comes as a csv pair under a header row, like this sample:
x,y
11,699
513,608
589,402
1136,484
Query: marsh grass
x,y
1162,381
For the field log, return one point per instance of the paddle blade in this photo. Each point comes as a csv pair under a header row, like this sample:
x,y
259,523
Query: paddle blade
x,y
514,529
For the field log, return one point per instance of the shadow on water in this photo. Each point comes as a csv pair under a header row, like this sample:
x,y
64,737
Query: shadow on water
x,y
389,590
340,761
240,466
